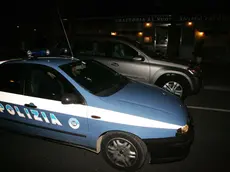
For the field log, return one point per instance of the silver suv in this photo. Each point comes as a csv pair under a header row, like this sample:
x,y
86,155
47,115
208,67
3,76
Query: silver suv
x,y
135,61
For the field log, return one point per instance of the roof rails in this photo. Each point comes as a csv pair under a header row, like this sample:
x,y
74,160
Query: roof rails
x,y
50,57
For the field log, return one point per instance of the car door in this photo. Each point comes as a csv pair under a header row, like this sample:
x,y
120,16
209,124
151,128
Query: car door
x,y
44,89
41,109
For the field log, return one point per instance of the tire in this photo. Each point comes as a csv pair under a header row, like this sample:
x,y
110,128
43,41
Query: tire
x,y
113,154
170,80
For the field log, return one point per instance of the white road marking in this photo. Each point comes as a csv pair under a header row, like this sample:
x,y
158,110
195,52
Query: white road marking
x,y
209,109
217,88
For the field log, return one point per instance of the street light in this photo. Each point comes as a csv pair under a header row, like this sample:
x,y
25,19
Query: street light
x,y
147,39
140,34
199,34
148,24
114,33
189,23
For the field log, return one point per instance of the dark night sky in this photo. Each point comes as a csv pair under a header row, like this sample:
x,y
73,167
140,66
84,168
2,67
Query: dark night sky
x,y
38,11
128,7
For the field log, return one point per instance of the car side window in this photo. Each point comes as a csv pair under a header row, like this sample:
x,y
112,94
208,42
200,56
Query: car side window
x,y
12,80
123,51
89,48
44,82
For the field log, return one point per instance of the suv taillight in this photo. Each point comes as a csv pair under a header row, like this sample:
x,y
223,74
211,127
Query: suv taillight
x,y
196,70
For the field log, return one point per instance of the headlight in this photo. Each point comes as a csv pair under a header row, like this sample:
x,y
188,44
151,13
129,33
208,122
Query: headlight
x,y
183,129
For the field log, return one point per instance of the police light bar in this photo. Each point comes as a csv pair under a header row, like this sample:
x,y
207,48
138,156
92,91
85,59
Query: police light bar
x,y
38,53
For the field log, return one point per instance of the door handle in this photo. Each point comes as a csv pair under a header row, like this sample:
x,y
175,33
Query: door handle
x,y
31,105
96,117
115,64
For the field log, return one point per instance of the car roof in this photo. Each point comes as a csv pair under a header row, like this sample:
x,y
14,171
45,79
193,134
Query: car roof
x,y
47,61
103,36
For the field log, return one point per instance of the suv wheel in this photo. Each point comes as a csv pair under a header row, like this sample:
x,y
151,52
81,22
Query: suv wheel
x,y
175,85
123,151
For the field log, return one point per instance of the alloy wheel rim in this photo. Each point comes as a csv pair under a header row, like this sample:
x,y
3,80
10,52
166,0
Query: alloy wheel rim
x,y
174,87
122,152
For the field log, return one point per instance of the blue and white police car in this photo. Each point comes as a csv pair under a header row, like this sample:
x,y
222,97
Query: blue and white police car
x,y
86,104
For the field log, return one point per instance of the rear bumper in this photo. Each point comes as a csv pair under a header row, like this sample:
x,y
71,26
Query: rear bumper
x,y
170,149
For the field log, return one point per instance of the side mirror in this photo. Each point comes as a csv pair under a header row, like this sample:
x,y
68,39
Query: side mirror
x,y
138,58
70,99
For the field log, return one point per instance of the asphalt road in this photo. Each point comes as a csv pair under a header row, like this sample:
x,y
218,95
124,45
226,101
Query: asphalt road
x,y
210,151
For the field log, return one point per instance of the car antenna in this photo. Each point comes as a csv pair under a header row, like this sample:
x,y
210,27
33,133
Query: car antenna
x,y
66,36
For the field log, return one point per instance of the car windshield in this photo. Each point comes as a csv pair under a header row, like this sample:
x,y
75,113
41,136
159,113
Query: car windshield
x,y
95,77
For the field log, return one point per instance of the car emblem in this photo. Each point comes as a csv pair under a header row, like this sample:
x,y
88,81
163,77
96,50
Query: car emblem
x,y
74,123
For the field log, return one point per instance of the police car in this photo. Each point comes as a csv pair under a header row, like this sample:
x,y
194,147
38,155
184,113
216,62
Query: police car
x,y
86,104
